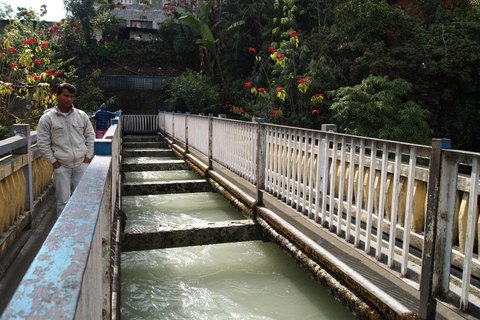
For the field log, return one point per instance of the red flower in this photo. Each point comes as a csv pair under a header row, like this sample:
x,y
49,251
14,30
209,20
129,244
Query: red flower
x,y
294,33
119,3
1,54
117,26
261,89
59,24
248,84
280,56
240,111
168,3
112,6
228,106
72,24
271,49
123,7
144,10
165,8
57,73
26,43
315,111
48,72
44,44
169,14
251,50
71,35
13,65
11,49
273,113
278,90
318,95
302,80
37,61
36,78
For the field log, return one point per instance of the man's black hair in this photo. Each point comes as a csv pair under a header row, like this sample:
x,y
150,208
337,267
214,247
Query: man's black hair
x,y
68,86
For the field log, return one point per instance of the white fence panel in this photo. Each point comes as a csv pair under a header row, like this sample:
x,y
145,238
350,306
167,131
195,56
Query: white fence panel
x,y
198,133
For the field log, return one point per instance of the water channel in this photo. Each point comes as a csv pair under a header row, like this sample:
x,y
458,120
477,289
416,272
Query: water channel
x,y
245,280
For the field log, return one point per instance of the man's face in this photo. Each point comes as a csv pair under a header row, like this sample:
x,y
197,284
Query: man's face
x,y
65,99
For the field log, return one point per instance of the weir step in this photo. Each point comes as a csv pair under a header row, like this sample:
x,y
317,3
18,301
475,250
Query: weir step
x,y
148,238
164,187
145,144
135,138
130,166
147,152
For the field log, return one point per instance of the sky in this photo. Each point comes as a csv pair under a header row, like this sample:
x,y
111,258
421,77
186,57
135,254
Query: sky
x,y
55,10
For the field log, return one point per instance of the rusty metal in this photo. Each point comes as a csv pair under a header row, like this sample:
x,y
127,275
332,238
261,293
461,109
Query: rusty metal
x,y
428,304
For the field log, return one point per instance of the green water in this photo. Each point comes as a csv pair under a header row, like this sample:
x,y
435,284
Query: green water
x,y
246,280
199,207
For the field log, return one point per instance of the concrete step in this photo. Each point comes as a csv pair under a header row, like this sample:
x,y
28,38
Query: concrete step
x,y
134,138
155,166
147,152
143,238
145,144
164,187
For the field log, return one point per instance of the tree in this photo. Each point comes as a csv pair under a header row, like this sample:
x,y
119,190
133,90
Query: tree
x,y
380,108
208,41
28,70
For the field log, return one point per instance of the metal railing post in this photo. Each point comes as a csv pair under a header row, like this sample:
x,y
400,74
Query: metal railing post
x,y
260,158
210,141
428,304
24,131
186,132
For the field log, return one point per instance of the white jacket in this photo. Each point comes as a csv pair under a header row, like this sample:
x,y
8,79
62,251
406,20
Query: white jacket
x,y
66,139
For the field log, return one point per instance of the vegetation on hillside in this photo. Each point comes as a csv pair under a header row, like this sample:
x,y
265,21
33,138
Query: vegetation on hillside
x,y
361,64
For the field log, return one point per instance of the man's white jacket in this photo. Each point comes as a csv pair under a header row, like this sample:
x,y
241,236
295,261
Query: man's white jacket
x,y
66,139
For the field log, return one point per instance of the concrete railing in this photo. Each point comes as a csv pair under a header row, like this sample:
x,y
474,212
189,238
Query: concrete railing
x,y
70,277
24,177
327,176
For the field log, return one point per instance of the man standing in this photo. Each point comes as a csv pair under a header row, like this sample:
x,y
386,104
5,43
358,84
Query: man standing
x,y
65,138
102,117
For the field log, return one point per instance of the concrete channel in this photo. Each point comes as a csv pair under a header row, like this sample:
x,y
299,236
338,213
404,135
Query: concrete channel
x,y
367,289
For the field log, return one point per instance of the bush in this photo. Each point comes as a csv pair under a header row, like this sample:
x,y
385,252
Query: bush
x,y
193,93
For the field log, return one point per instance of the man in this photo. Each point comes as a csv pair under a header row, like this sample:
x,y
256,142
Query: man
x,y
102,117
65,138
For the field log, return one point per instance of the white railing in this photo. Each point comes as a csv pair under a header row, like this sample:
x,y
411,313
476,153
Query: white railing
x,y
197,131
234,146
179,125
143,123
70,276
328,177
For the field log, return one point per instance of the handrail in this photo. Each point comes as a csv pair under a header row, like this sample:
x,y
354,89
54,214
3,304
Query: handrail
x,y
24,177
322,173
70,277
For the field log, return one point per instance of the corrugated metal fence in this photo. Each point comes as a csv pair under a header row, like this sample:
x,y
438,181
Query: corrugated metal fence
x,y
119,82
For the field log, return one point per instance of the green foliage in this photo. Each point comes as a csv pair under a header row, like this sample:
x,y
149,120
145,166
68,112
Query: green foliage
x,y
28,71
193,93
380,108
89,96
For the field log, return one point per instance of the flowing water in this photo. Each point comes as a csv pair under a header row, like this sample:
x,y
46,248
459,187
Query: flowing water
x,y
244,280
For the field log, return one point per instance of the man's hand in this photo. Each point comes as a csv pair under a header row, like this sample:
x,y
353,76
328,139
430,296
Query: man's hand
x,y
87,160
56,165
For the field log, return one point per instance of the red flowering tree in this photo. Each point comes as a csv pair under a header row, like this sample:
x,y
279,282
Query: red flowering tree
x,y
28,70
